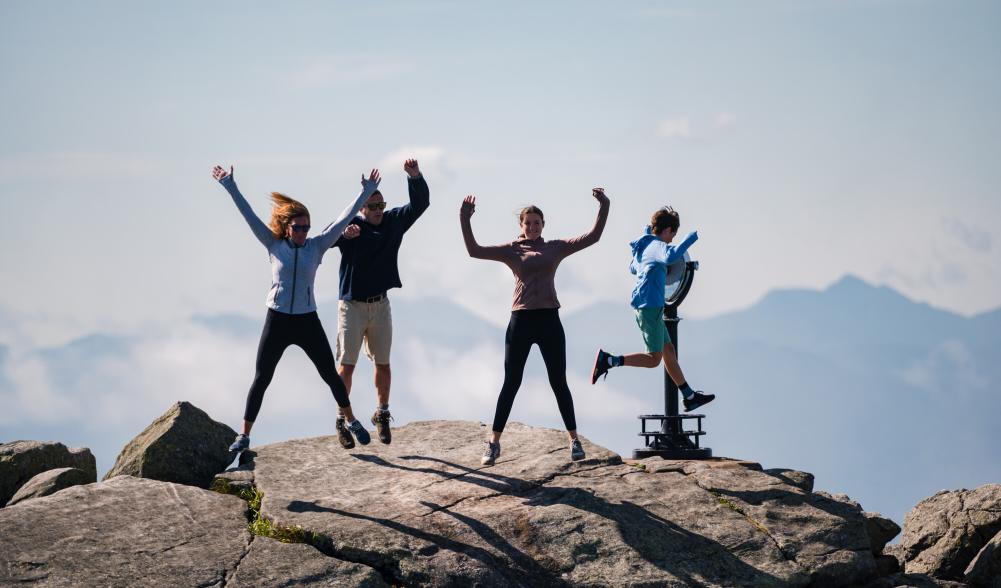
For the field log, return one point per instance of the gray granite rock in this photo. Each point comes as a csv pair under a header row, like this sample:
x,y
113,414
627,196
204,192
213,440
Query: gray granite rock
x,y
801,480
944,532
123,532
985,569
270,564
423,511
881,531
823,534
21,461
51,482
184,445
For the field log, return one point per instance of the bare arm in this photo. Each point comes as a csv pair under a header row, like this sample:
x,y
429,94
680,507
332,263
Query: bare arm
x,y
591,237
257,226
494,252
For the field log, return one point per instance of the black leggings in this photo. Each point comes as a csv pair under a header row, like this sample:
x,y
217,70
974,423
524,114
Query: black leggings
x,y
542,327
280,331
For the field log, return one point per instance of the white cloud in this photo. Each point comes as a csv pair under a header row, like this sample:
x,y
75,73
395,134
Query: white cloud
x,y
676,128
970,236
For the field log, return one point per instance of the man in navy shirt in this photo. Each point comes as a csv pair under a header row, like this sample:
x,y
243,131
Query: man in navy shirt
x,y
370,246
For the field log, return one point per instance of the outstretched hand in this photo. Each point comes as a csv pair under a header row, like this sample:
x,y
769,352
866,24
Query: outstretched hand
x,y
351,231
599,194
410,166
371,184
220,174
468,205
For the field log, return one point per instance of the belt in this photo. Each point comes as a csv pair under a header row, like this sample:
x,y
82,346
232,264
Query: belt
x,y
376,298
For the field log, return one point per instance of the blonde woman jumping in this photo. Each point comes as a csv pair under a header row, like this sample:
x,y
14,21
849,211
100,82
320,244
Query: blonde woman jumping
x,y
292,318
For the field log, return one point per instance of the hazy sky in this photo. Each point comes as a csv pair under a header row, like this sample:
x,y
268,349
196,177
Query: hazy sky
x,y
803,140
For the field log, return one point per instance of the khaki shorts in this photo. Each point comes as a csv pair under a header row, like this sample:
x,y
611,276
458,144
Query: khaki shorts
x,y
371,322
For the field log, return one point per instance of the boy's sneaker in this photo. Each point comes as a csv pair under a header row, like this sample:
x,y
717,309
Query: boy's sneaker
x,y
359,432
381,420
576,450
600,366
697,400
242,442
343,435
490,454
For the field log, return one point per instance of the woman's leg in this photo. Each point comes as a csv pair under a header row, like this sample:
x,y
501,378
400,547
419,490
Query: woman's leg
x,y
313,340
274,341
553,345
517,344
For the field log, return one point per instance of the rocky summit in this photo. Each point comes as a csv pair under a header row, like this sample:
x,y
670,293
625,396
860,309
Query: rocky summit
x,y
424,512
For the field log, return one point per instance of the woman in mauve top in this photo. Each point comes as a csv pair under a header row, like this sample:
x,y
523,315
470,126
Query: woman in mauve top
x,y
535,315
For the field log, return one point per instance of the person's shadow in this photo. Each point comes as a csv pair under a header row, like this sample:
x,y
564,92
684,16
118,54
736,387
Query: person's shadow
x,y
693,559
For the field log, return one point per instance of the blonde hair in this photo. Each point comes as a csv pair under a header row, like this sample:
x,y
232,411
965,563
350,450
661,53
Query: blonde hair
x,y
283,210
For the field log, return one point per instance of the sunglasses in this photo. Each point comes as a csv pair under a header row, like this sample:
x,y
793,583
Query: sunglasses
x,y
299,228
376,205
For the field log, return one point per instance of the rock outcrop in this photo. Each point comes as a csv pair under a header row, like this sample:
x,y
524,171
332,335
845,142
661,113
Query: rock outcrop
x,y
944,533
423,511
51,482
985,569
21,461
184,445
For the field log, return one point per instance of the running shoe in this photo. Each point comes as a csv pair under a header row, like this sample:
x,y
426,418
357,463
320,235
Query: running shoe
x,y
242,442
343,434
381,420
490,454
359,432
697,400
576,450
600,366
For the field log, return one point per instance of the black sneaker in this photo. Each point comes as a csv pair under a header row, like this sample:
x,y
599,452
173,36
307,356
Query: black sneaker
x,y
359,432
242,442
381,420
490,454
343,434
600,366
576,450
697,400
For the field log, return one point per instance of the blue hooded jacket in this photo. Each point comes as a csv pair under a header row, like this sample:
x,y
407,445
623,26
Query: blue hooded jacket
x,y
651,256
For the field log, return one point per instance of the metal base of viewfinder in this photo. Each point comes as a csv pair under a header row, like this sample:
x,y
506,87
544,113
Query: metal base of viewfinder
x,y
672,441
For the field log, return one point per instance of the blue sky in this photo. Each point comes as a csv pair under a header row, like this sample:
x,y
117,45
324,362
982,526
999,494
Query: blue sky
x,y
803,140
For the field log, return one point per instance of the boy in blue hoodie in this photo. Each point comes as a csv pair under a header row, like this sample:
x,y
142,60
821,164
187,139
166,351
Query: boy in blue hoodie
x,y
652,253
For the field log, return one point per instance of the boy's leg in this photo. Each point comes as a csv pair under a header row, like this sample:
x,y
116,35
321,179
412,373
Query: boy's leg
x,y
651,325
671,364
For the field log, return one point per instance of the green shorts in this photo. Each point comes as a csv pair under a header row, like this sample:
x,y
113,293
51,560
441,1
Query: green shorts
x,y
651,324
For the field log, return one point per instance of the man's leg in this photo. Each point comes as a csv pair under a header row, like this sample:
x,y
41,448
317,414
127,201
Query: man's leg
x,y
350,332
378,344
383,379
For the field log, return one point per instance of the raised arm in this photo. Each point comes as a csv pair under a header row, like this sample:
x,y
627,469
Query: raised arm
x,y
493,252
420,196
333,231
591,237
260,230
674,253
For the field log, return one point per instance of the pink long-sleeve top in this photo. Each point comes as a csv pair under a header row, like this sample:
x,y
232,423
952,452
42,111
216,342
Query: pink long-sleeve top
x,y
533,262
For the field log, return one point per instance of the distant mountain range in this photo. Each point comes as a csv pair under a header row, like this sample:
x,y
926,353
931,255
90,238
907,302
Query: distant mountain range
x,y
880,397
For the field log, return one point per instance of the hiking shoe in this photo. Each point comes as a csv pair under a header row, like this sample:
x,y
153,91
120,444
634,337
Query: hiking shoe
x,y
343,434
381,420
242,442
697,400
600,366
576,450
490,454
359,432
